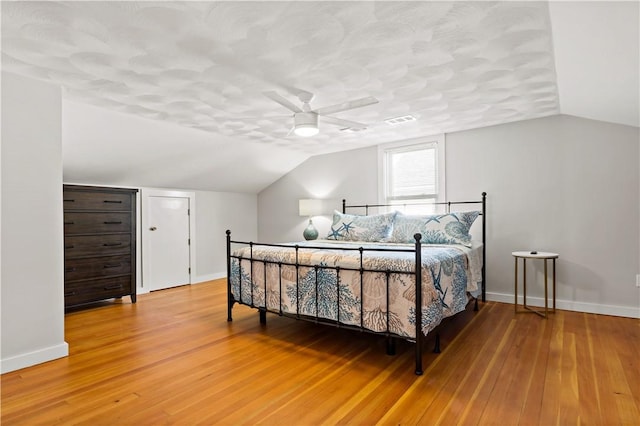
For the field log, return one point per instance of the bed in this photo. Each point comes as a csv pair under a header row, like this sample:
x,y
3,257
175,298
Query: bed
x,y
363,275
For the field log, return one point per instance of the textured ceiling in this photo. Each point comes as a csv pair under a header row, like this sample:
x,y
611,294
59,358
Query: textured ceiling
x,y
205,65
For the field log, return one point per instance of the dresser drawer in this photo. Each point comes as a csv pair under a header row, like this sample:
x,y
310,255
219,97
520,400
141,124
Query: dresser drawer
x,y
85,223
90,291
96,267
78,200
96,245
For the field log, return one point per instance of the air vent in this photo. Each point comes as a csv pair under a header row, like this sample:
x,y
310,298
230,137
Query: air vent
x,y
399,120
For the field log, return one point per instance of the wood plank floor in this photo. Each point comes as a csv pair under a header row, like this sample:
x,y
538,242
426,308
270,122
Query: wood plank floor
x,y
172,358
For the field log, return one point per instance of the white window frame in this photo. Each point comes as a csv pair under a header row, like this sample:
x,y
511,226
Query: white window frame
x,y
419,143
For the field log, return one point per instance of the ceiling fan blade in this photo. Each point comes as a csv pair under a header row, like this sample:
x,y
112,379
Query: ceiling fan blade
x,y
345,124
357,103
282,101
259,117
290,132
297,92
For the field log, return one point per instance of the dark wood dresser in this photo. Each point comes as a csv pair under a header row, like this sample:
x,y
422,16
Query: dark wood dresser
x,y
99,243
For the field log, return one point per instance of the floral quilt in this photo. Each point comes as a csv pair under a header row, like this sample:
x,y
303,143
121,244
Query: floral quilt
x,y
448,273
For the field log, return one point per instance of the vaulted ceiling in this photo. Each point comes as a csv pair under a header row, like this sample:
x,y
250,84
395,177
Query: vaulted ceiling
x,y
205,66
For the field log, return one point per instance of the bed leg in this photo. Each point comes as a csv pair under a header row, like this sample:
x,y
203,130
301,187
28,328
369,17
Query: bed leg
x,y
263,316
418,359
475,306
230,299
436,347
391,346
230,302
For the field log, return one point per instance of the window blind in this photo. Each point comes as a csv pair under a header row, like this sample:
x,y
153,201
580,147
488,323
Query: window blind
x,y
412,173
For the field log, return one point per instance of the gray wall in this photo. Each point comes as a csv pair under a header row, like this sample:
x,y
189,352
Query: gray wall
x,y
212,213
215,213
32,295
561,184
351,174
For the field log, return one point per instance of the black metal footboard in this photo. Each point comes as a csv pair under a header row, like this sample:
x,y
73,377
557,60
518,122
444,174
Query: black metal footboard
x,y
417,273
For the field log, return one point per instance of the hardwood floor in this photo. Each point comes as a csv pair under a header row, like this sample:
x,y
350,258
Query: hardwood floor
x,y
172,358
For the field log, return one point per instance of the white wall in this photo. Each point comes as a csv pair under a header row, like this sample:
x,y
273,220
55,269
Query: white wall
x,y
108,147
32,288
592,41
560,184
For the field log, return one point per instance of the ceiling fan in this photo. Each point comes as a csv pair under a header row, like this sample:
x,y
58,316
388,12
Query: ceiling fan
x,y
305,120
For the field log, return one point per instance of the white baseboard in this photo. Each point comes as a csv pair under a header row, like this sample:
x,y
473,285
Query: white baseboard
x,y
570,305
208,277
195,280
32,358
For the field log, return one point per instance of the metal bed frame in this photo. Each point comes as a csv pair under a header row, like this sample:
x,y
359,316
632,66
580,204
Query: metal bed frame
x,y
417,249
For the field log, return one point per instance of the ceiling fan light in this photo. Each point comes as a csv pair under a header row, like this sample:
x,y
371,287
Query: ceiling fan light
x,y
306,124
306,130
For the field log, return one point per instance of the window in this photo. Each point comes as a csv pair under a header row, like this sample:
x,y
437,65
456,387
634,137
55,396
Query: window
x,y
412,174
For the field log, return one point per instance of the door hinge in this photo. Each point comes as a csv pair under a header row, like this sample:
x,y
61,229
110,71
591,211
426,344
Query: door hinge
x,y
189,241
189,271
188,212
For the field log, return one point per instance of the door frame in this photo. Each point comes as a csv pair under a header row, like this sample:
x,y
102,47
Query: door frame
x,y
145,193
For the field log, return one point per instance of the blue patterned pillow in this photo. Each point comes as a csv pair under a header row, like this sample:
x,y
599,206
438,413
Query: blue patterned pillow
x,y
450,228
349,227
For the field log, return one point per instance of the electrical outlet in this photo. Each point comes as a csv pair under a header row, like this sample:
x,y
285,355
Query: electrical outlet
x,y
638,280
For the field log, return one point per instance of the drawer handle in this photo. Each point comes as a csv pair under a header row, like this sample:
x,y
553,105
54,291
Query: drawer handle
x,y
111,244
114,222
69,293
70,270
69,222
70,201
113,287
112,265
113,201
69,246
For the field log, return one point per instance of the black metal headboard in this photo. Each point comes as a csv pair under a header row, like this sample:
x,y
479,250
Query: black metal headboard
x,y
483,213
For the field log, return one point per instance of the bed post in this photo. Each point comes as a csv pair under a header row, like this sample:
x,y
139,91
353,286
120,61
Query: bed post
x,y
229,295
484,246
418,236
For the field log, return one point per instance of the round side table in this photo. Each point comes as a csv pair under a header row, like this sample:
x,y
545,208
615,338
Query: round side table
x,y
545,256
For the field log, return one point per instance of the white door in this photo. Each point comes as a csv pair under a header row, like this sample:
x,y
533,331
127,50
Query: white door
x,y
168,242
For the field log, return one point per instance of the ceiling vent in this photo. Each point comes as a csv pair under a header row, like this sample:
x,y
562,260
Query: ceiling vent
x,y
399,120
354,129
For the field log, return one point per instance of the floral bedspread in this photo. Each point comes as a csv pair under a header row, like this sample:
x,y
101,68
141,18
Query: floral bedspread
x,y
448,273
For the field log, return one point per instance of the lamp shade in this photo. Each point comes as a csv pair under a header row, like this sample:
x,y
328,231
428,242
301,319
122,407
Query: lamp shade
x,y
310,207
